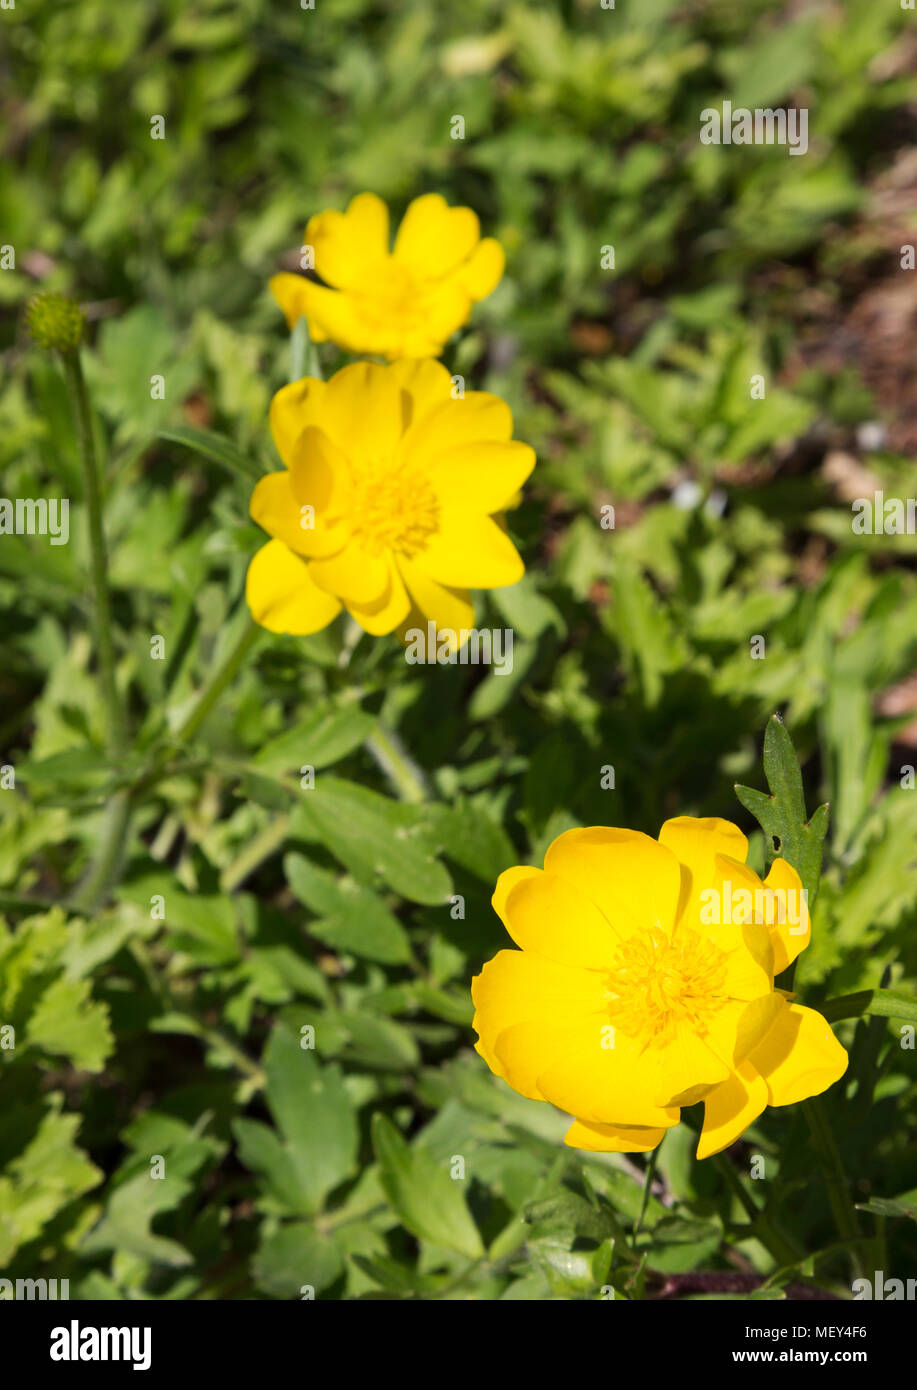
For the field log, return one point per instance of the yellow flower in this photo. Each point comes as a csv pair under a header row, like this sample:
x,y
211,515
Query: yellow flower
x,y
645,982
404,302
386,505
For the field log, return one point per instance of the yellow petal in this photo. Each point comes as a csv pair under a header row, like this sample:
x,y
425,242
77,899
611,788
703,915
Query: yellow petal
x,y
552,918
696,841
789,925
320,481
730,1108
346,243
450,609
362,412
598,1074
446,307
481,477
289,292
389,610
481,274
293,408
281,594
274,507
434,238
739,1025
687,1067
429,387
799,1057
476,417
631,878
341,316
614,1139
355,576
516,987
296,506
726,917
470,551
525,1050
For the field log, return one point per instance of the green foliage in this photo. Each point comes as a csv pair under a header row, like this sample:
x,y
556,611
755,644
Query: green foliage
x,y
782,815
246,1069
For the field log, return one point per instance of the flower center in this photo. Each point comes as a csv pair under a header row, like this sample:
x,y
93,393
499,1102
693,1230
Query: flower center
x,y
390,294
655,984
392,508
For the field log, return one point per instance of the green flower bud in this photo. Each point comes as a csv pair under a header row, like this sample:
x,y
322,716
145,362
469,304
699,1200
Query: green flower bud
x,y
55,322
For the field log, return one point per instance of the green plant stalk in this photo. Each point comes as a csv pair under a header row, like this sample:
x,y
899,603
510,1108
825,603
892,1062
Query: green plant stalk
x,y
835,1177
403,774
106,864
647,1186
775,1242
268,842
105,867
114,708
222,677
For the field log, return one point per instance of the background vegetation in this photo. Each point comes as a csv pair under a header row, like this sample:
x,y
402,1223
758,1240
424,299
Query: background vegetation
x,y
287,909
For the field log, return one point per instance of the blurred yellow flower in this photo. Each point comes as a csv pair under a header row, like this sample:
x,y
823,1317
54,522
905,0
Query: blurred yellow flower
x,y
386,505
396,303
645,982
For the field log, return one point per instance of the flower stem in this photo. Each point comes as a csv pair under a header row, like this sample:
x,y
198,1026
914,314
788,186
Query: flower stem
x,y
107,862
774,1241
105,868
221,678
647,1186
253,856
404,775
834,1175
117,723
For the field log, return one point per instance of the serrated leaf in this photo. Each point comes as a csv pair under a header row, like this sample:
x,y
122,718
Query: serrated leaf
x,y
316,1144
66,1021
351,916
782,815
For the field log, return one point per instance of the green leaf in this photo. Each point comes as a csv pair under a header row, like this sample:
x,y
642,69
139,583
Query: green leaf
x,y
782,815
316,1147
127,1224
351,916
67,1021
217,449
48,1174
322,739
472,837
425,1197
880,1003
376,838
880,1206
296,1257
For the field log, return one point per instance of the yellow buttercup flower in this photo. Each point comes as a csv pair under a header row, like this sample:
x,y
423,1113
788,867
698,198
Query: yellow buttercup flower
x,y
646,982
386,504
404,302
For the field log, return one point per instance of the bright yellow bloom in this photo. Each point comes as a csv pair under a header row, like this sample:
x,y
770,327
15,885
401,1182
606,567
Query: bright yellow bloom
x,y
645,982
386,504
404,302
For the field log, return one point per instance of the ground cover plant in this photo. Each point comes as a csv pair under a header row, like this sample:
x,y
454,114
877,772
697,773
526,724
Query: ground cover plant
x,y
249,835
